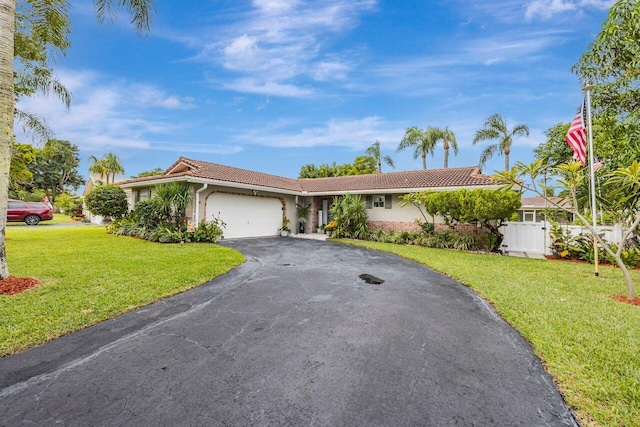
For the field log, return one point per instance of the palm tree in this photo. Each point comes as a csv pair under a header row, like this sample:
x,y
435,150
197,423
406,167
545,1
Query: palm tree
x,y
424,142
107,167
97,167
112,166
448,140
141,12
495,128
374,151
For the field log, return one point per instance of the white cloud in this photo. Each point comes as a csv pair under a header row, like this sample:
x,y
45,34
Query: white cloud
x,y
331,70
274,6
356,134
546,9
512,11
149,96
105,112
250,85
281,41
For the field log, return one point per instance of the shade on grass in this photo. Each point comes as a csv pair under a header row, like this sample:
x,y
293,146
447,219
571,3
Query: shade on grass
x,y
588,341
88,276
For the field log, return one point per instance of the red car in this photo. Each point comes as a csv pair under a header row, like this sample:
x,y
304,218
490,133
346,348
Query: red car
x,y
29,212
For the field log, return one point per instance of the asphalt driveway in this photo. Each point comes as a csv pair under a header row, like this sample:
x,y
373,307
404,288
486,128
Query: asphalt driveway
x,y
292,337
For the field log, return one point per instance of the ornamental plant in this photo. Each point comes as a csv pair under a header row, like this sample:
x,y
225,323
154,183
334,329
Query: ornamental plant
x,y
107,201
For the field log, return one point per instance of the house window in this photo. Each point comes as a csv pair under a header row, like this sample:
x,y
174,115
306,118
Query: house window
x,y
143,195
529,216
378,201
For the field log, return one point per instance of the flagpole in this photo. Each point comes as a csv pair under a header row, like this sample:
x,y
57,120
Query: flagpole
x,y
588,88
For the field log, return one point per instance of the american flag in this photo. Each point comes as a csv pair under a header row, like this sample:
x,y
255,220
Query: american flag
x,y
577,136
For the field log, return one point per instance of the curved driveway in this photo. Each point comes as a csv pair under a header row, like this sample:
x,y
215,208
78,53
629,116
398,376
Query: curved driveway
x,y
292,337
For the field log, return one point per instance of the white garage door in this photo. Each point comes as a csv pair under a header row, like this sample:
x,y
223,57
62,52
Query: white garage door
x,y
246,216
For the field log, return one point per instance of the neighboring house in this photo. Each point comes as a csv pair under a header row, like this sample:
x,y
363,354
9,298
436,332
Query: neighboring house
x,y
92,182
253,204
533,209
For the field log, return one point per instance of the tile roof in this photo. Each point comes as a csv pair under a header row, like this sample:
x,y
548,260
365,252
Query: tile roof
x,y
540,202
431,178
434,178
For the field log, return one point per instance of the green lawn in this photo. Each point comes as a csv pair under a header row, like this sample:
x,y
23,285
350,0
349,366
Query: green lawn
x,y
57,219
588,342
89,276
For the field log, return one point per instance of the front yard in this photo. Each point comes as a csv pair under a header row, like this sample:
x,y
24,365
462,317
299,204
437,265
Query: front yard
x,y
589,342
88,276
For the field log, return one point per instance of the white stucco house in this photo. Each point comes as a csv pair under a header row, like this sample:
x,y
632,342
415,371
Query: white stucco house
x,y
252,204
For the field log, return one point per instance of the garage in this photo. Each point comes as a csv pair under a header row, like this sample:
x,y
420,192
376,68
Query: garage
x,y
246,216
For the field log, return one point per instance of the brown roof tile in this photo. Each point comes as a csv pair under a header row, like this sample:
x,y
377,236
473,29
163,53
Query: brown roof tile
x,y
434,178
540,202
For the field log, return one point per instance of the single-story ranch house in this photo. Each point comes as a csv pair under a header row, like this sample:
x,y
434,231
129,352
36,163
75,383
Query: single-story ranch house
x,y
253,204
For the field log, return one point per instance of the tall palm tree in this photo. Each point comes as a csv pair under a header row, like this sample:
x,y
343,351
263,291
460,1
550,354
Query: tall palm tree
x,y
140,11
97,167
107,167
495,128
112,166
374,151
448,141
423,141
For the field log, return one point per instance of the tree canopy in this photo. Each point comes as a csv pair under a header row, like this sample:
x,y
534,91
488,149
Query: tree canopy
x,y
22,155
151,172
362,165
56,167
612,60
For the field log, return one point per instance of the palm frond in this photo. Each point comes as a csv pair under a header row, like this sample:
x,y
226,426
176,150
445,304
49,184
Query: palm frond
x,y
389,161
140,12
520,130
485,135
34,126
42,82
487,154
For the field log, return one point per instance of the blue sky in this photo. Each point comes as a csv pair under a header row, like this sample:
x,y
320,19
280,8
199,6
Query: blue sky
x,y
271,85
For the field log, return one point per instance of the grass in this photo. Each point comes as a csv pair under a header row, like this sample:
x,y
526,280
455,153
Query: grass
x,y
58,218
588,342
88,276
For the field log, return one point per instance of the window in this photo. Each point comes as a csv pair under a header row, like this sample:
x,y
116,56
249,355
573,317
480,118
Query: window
x,y
378,201
143,195
529,216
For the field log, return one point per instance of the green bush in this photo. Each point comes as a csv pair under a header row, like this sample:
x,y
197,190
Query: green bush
x,y
107,201
64,203
441,240
350,215
148,214
207,232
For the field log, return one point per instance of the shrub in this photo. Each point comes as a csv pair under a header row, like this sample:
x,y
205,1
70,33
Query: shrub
x,y
107,201
148,214
168,235
207,232
77,212
350,216
64,203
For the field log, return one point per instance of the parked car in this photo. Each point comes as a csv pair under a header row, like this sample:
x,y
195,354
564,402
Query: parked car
x,y
29,212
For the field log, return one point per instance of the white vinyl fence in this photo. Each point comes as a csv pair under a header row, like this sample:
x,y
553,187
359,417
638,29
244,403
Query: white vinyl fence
x,y
532,238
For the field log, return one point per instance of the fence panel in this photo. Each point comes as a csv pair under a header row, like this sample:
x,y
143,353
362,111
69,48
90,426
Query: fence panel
x,y
534,237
